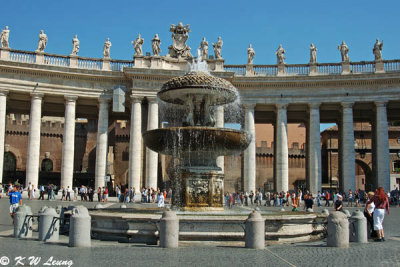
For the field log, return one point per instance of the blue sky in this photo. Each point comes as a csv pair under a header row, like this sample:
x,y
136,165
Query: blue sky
x,y
264,24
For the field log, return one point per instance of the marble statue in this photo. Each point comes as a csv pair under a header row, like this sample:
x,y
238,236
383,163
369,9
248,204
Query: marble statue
x,y
179,49
280,55
155,45
344,52
75,45
313,54
137,45
204,48
4,38
42,41
217,48
106,48
377,50
250,54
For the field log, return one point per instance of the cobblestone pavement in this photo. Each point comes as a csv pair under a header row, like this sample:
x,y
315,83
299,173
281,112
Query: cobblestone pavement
x,y
107,253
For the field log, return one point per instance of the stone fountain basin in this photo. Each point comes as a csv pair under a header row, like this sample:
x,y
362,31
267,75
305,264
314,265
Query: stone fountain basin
x,y
197,139
178,95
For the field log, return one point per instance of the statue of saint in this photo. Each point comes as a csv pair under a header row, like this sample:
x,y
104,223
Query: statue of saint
x,y
217,48
204,49
155,45
250,54
75,45
179,49
4,38
313,54
106,48
280,55
377,50
137,45
344,52
42,41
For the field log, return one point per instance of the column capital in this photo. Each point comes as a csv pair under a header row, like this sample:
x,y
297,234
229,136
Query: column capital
x,y
136,99
104,100
4,92
347,104
281,105
249,106
35,95
70,98
314,105
380,104
152,99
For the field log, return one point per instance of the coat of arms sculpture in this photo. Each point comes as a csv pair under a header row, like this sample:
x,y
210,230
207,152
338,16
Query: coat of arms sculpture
x,y
179,49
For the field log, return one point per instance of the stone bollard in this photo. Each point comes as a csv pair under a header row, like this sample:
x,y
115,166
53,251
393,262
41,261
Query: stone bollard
x,y
358,227
254,233
169,230
347,213
49,225
80,227
325,212
338,230
23,223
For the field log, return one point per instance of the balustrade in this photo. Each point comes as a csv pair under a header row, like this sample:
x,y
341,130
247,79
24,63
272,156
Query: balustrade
x,y
118,65
362,67
56,60
298,69
239,70
265,70
22,56
391,65
329,68
89,63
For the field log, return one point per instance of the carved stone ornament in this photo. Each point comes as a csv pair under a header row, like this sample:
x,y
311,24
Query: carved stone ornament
x,y
137,45
42,41
4,38
75,45
377,50
106,48
344,52
179,49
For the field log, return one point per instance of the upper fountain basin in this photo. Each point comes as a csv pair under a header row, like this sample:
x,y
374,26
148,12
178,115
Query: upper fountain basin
x,y
176,89
197,139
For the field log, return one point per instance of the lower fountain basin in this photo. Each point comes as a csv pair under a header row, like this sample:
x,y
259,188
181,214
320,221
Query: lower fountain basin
x,y
197,139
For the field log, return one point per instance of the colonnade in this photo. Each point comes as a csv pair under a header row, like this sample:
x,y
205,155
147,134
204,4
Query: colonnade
x,y
381,166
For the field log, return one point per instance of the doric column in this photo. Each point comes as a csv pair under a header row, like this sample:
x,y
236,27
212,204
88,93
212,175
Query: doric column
x,y
67,163
347,153
281,152
152,156
219,118
381,143
3,104
314,178
32,162
250,152
102,143
135,145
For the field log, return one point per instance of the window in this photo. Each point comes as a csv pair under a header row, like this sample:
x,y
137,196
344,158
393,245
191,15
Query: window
x,y
396,166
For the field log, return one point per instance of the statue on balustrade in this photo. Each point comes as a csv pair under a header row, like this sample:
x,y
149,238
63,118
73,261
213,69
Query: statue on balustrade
x,y
344,52
155,45
42,41
179,49
280,55
75,45
204,49
4,38
106,48
313,54
218,48
377,50
137,45
250,54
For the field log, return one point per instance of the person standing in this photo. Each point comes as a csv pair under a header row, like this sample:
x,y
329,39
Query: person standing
x,y
68,194
381,207
327,198
350,198
15,200
339,203
99,194
251,197
41,192
368,213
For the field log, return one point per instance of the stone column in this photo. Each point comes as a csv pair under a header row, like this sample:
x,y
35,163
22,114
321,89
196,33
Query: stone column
x,y
219,118
281,152
250,153
135,145
152,156
314,178
32,163
67,163
347,152
3,104
102,143
381,143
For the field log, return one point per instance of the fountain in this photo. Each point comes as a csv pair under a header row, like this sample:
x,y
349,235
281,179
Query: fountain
x,y
199,183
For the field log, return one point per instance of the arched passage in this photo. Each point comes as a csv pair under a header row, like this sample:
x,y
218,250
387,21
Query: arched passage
x,y
364,182
10,162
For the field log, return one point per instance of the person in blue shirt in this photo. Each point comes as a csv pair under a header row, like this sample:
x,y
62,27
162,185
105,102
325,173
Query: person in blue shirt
x,y
15,200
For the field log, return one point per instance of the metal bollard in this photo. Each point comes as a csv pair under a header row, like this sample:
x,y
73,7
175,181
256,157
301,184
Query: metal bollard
x,y
358,227
255,231
169,230
49,225
23,222
338,230
80,227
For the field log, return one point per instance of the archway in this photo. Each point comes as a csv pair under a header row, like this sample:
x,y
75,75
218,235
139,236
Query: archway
x,y
10,162
363,176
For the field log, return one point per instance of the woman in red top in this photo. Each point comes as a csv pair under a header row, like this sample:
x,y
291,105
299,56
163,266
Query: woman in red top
x,y
381,205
